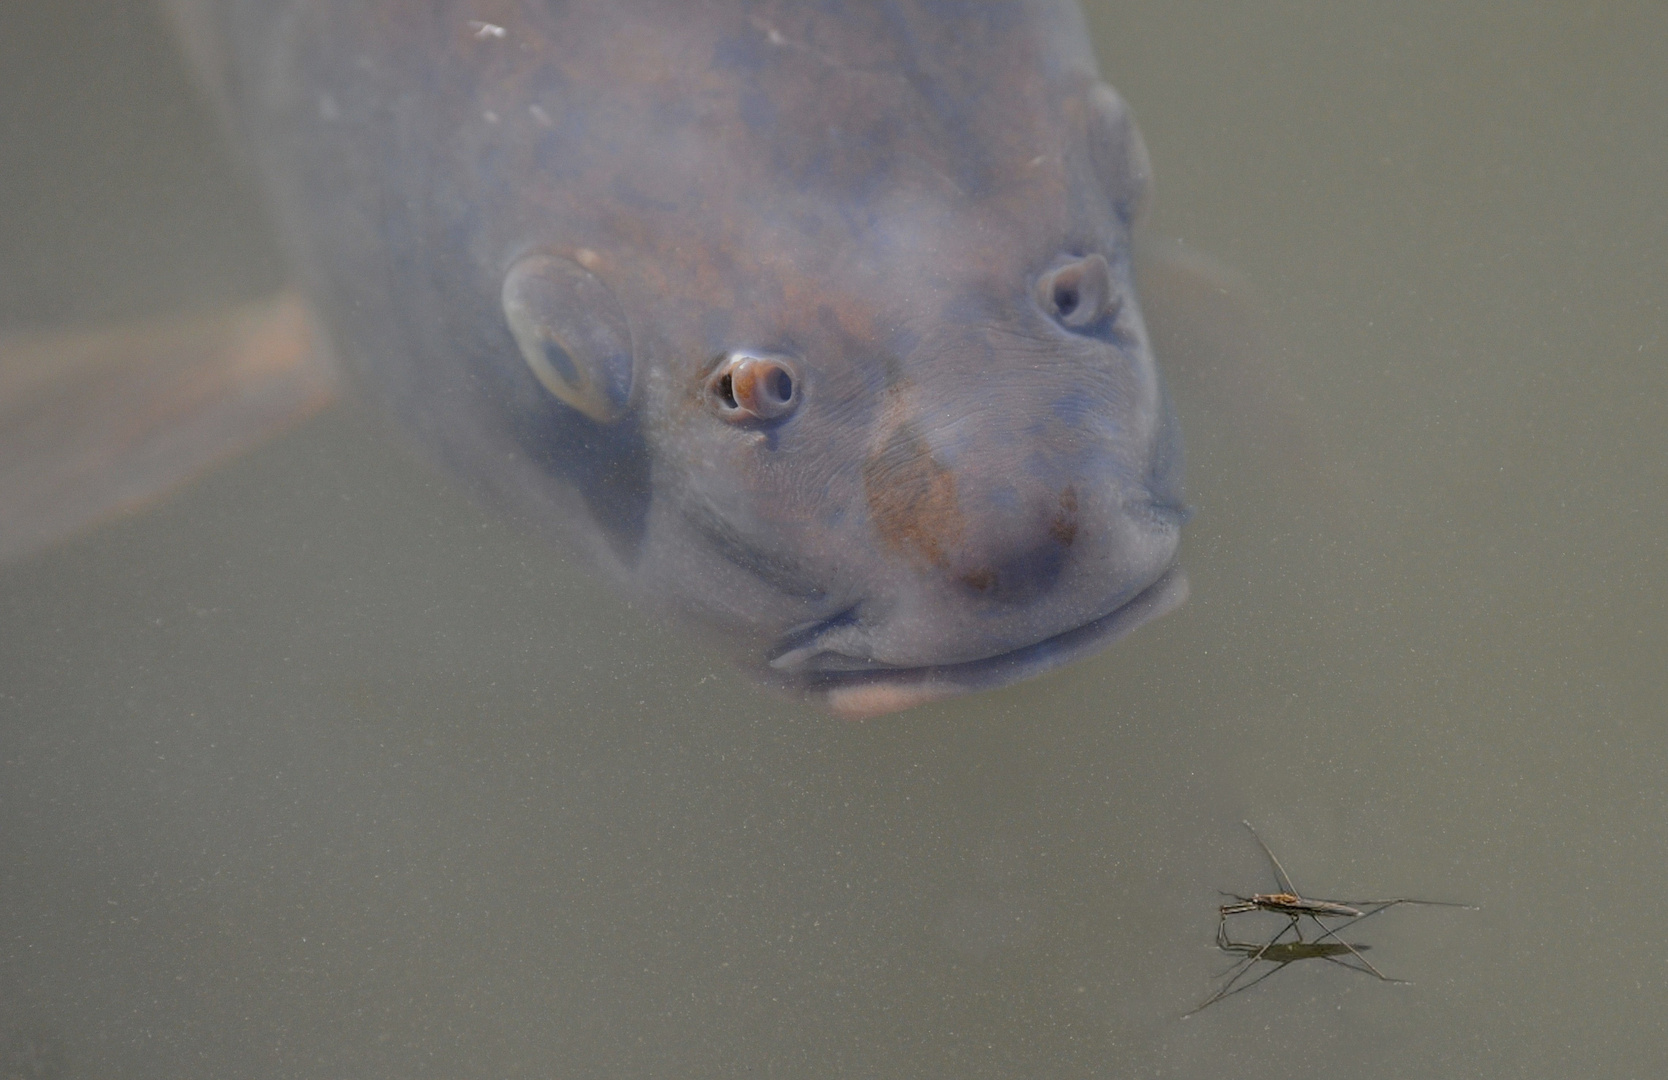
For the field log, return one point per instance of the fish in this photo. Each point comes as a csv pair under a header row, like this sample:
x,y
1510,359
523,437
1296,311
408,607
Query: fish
x,y
814,324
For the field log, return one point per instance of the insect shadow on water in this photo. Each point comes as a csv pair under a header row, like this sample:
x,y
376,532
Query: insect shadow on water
x,y
1296,907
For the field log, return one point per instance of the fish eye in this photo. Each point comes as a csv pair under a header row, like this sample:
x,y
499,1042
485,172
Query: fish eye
x,y
1078,294
572,333
749,387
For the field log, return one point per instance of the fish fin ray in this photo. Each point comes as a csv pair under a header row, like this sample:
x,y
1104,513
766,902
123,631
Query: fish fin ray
x,y
97,422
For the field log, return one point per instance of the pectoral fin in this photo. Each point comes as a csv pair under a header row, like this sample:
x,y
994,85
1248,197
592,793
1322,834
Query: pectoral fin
x,y
1238,405
93,423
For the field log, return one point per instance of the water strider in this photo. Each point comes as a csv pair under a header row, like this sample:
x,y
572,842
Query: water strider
x,y
1296,907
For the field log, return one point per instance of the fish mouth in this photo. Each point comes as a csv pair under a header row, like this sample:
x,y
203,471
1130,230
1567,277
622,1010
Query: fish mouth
x,y
869,688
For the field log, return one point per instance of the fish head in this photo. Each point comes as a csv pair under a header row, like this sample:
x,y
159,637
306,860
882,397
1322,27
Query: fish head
x,y
918,450
815,323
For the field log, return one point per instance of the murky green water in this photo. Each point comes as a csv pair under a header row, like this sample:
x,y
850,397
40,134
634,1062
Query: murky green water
x,y
317,771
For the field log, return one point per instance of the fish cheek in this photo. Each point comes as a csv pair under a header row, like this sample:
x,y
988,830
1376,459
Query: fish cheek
x,y
612,469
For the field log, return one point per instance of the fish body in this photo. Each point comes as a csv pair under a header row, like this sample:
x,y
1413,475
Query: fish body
x,y
814,322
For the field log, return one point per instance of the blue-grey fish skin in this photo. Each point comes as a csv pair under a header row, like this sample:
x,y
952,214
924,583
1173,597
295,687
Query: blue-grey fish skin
x,y
862,385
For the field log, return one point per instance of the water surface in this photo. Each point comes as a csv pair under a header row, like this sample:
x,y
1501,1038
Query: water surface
x,y
315,770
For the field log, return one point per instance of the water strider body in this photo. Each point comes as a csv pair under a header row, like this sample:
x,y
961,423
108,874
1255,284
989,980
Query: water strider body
x,y
1290,903
815,323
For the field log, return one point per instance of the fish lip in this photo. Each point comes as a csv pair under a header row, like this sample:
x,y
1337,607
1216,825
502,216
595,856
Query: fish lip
x,y
872,691
800,643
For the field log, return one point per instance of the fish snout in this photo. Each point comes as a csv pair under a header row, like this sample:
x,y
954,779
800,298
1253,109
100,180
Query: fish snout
x,y
982,580
1014,538
1017,507
993,547
988,557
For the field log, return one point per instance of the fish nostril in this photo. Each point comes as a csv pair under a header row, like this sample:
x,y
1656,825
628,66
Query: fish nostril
x,y
747,387
1078,293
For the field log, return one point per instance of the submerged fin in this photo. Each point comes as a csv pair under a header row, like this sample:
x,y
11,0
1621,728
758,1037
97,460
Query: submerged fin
x,y
1206,335
1236,400
96,422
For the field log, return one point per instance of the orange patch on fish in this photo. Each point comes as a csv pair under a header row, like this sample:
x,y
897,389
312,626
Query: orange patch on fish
x,y
911,494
